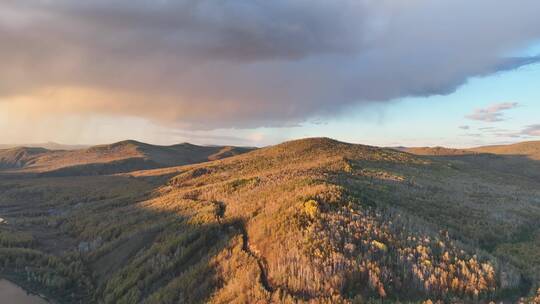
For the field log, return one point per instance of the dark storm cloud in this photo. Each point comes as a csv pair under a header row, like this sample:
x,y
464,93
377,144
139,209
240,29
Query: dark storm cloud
x,y
239,63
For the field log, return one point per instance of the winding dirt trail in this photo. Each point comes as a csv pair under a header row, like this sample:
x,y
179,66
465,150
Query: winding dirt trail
x,y
263,273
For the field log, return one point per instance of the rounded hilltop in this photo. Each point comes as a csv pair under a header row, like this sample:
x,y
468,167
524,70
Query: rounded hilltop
x,y
119,157
18,157
311,145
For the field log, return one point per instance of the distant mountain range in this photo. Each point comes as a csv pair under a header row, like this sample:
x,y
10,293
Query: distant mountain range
x,y
521,158
105,159
47,145
529,149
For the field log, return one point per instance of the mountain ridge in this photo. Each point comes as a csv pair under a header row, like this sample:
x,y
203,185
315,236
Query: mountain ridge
x,y
529,149
118,157
47,145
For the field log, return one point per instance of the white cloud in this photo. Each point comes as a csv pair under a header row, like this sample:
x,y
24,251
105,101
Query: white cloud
x,y
532,130
528,131
493,113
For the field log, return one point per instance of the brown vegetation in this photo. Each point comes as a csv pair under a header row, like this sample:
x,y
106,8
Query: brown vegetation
x,y
123,156
309,221
529,149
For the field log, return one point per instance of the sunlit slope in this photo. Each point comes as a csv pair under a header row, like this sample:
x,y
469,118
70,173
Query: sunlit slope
x,y
105,159
18,157
309,220
529,149
437,151
506,162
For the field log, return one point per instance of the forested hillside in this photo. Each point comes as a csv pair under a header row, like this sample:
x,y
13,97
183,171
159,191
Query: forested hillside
x,y
307,221
124,156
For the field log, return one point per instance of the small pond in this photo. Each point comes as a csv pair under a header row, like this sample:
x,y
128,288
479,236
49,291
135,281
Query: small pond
x,y
13,294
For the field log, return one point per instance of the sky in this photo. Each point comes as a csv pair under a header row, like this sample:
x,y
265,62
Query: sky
x,y
254,72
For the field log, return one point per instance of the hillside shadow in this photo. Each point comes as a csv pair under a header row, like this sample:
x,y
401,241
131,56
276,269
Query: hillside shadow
x,y
518,165
108,245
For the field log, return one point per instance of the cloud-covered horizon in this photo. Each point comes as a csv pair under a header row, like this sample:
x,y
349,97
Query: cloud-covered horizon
x,y
242,64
